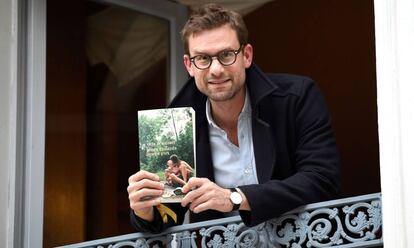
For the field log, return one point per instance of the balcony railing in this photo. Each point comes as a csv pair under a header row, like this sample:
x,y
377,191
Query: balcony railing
x,y
347,222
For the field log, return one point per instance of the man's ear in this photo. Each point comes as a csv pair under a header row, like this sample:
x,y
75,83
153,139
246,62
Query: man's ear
x,y
248,55
187,63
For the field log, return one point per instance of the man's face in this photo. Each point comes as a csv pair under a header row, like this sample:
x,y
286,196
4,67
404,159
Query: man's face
x,y
218,82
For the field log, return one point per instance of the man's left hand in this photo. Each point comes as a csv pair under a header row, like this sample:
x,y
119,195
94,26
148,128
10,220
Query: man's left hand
x,y
203,194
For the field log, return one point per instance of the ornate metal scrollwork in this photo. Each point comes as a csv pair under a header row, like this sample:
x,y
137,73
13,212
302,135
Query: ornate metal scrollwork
x,y
363,219
232,235
354,221
324,227
155,242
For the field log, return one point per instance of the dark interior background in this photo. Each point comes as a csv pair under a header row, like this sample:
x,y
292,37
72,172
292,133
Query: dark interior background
x,y
332,42
91,151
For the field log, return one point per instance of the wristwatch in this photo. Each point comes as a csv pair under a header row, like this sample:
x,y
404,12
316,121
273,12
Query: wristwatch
x,y
235,199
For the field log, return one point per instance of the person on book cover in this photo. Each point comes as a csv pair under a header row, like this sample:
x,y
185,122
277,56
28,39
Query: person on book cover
x,y
264,142
178,171
171,176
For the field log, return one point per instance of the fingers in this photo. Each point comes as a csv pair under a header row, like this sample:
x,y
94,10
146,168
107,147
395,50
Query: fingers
x,y
143,206
200,203
194,183
144,179
143,187
191,196
144,194
144,183
202,207
206,195
141,175
190,189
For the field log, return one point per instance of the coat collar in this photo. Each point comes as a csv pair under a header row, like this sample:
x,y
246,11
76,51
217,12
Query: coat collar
x,y
259,86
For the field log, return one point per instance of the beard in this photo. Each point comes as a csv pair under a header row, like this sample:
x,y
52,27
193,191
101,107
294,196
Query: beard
x,y
222,96
221,92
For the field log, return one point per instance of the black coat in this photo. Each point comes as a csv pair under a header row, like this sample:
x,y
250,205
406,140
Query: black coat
x,y
297,161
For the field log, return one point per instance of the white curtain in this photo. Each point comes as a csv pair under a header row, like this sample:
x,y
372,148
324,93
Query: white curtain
x,y
129,42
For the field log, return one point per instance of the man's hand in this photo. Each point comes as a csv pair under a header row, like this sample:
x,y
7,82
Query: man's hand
x,y
206,195
143,185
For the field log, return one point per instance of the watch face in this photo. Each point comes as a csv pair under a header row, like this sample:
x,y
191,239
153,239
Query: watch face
x,y
235,198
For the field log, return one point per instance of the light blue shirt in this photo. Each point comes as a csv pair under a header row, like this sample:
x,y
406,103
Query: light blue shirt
x,y
233,166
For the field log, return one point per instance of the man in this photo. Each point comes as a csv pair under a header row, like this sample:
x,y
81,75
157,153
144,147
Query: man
x,y
264,142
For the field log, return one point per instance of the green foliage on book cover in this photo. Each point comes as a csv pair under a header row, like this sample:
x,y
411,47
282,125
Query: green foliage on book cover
x,y
163,132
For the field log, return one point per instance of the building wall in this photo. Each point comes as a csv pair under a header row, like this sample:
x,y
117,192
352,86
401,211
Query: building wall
x,y
7,119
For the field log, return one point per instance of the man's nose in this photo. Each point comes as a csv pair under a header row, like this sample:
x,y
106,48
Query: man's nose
x,y
216,67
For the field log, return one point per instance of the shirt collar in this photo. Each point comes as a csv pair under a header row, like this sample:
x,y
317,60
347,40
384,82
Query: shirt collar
x,y
245,111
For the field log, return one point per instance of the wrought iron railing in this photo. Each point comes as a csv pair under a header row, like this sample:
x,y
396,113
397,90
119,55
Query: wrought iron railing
x,y
347,222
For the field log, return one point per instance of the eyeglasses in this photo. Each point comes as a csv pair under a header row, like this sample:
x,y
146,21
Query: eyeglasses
x,y
226,58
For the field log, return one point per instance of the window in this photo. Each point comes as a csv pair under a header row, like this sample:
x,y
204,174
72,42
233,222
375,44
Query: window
x,y
105,61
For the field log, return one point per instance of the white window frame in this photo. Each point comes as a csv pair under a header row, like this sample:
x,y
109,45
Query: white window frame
x,y
394,31
27,174
394,36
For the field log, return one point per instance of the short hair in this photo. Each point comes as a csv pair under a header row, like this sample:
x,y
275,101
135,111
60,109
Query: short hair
x,y
210,16
174,158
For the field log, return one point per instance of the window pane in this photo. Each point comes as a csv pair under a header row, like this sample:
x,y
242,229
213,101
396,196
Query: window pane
x,y
103,64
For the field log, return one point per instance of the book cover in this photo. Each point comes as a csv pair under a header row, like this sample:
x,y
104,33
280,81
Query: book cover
x,y
167,147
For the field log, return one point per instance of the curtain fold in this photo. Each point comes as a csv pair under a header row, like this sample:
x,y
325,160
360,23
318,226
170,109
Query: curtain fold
x,y
129,43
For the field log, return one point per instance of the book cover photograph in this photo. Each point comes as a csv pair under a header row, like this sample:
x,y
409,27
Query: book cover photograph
x,y
167,147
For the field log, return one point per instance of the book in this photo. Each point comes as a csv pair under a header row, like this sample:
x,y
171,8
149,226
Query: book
x,y
167,147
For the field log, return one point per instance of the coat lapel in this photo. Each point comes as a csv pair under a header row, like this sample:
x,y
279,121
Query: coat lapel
x,y
264,149
260,86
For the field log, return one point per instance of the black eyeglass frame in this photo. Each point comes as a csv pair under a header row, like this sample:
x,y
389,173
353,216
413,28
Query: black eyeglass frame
x,y
236,52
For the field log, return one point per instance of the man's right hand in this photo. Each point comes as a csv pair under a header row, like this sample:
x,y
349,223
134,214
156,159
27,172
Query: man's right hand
x,y
143,185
